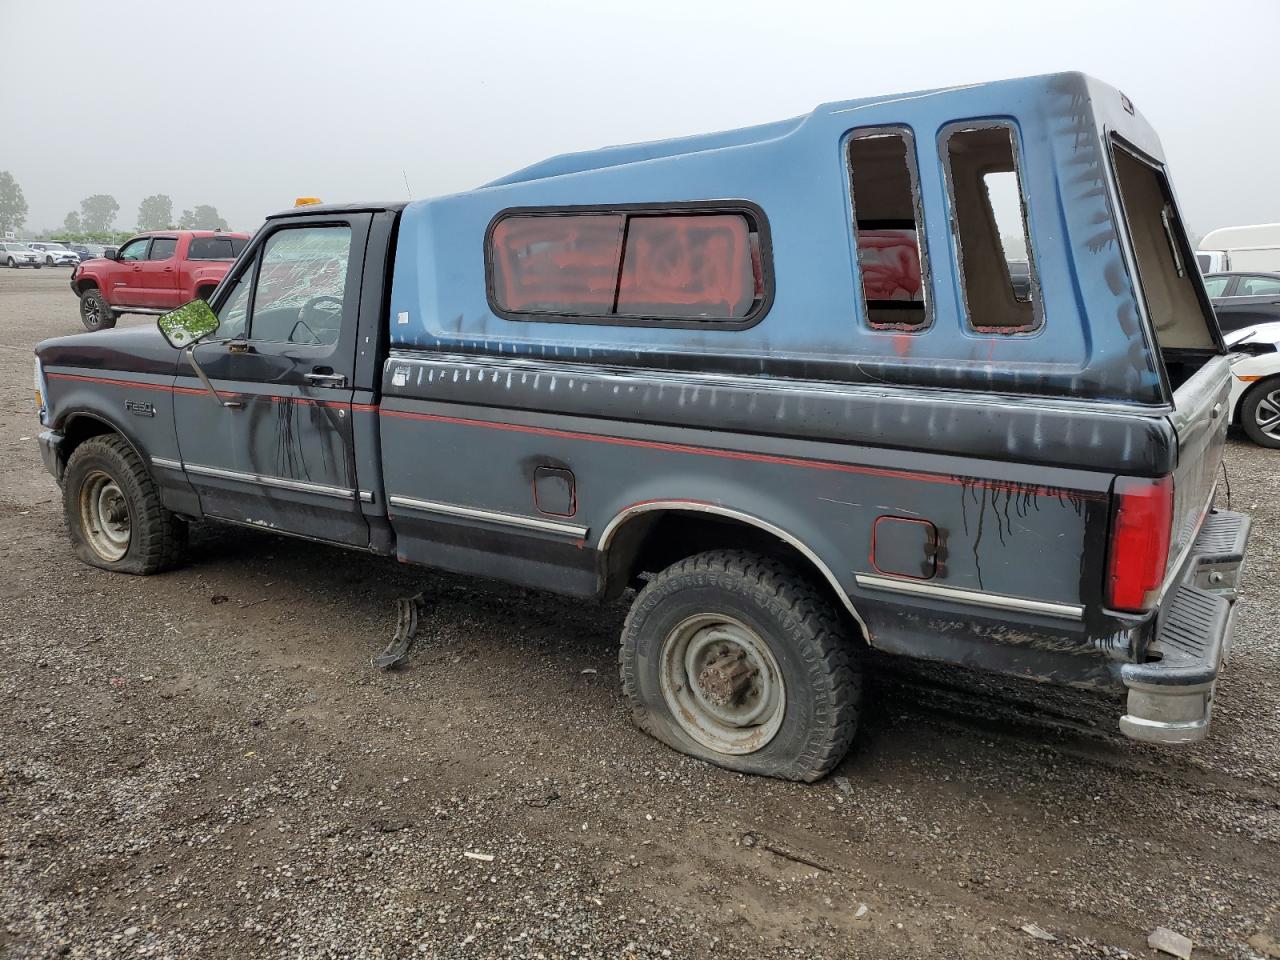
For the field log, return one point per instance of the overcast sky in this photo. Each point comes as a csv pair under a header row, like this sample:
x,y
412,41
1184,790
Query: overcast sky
x,y
246,105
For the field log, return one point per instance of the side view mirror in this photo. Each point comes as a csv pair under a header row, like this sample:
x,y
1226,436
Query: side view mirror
x,y
188,325
111,253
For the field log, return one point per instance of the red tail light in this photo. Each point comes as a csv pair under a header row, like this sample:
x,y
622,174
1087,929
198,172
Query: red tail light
x,y
1139,551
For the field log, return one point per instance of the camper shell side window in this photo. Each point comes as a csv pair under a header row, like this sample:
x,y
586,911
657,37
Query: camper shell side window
x,y
664,265
888,224
989,225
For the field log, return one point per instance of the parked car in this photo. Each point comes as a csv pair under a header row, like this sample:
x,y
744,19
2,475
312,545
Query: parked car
x,y
153,273
17,254
55,254
1244,299
802,414
84,251
1255,382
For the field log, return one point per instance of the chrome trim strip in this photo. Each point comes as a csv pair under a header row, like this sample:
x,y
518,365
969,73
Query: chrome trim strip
x,y
491,516
698,507
166,463
301,486
980,598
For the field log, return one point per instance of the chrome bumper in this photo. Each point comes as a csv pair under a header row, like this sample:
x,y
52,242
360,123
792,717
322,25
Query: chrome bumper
x,y
1171,695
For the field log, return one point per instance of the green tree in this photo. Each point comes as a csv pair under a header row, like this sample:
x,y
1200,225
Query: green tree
x,y
13,205
71,223
203,217
155,212
98,212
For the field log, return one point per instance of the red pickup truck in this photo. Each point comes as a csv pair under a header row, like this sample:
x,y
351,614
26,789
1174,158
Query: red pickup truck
x,y
153,273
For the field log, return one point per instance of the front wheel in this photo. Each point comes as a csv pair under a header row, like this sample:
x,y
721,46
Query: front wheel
x,y
1260,413
738,659
95,314
114,515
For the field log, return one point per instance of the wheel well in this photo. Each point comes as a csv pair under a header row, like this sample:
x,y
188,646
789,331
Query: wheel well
x,y
83,285
653,540
1253,388
80,427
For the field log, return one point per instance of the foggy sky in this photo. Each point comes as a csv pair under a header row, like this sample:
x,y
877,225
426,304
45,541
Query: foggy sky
x,y
246,105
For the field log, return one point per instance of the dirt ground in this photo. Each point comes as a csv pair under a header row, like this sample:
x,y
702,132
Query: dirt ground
x,y
203,764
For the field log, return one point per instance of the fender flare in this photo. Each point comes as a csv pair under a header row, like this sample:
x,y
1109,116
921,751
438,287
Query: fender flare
x,y
699,506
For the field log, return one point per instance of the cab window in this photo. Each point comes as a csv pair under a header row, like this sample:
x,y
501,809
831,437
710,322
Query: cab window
x,y
300,291
1214,286
1258,287
134,250
162,248
234,314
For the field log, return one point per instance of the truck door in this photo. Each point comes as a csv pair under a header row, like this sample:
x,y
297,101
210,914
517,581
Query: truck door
x,y
157,275
276,452
124,279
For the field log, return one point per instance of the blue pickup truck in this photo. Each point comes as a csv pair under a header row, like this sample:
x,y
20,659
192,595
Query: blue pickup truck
x,y
933,374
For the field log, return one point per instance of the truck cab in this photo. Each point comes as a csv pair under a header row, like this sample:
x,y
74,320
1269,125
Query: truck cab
x,y
786,383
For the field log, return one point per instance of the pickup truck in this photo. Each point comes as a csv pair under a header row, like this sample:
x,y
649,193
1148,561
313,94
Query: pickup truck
x,y
153,273
778,381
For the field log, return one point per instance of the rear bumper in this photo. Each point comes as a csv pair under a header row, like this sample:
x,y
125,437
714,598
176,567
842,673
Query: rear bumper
x,y
1171,695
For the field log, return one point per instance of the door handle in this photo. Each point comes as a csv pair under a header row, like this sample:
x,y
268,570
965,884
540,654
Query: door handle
x,y
325,379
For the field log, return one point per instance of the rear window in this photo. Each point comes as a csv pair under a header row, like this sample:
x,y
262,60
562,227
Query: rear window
x,y
1166,270
215,248
632,266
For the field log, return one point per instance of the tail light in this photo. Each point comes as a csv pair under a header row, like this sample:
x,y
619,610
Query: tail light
x,y
1139,549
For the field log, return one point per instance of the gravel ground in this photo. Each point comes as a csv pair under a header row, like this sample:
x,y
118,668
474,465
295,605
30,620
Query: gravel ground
x,y
204,764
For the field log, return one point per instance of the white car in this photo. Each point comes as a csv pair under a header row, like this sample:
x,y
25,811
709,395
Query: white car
x,y
1255,381
14,254
55,254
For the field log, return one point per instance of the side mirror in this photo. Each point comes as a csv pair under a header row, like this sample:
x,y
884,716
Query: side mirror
x,y
111,253
188,325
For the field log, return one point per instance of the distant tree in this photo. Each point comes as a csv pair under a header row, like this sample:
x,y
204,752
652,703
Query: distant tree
x,y
203,217
71,223
13,205
98,212
156,212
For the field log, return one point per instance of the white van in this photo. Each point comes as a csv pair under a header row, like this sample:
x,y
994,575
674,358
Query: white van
x,y
1254,247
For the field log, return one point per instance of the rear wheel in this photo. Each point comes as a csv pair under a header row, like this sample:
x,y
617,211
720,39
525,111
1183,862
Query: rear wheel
x,y
1260,413
738,659
113,511
94,312
13,264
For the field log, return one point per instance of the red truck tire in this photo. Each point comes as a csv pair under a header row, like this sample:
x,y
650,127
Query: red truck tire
x,y
94,312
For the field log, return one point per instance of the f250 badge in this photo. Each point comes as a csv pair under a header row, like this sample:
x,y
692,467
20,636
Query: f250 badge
x,y
140,408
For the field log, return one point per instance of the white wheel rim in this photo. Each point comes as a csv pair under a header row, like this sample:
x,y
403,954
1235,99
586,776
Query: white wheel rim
x,y
1267,415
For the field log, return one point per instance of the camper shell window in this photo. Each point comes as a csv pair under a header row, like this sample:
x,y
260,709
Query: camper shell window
x,y
1167,281
639,265
989,222
884,190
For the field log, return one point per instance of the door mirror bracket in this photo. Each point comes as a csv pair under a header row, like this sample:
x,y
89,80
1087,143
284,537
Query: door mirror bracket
x,y
183,329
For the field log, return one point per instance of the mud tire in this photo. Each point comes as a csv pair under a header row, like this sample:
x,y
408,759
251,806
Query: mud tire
x,y
820,663
95,314
156,536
